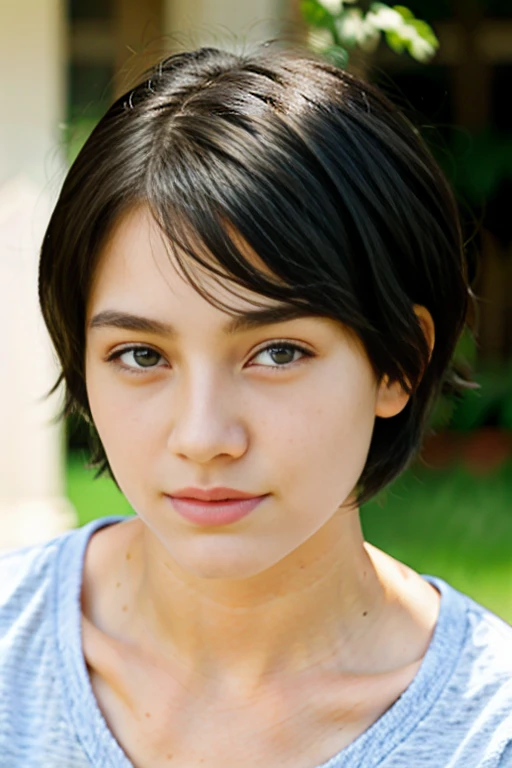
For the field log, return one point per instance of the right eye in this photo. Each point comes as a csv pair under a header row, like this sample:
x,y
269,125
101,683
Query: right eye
x,y
136,359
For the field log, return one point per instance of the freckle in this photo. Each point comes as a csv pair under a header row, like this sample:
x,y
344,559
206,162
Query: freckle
x,y
125,607
148,714
169,756
118,584
128,556
365,613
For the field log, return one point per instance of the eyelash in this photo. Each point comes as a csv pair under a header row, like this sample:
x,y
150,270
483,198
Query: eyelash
x,y
114,357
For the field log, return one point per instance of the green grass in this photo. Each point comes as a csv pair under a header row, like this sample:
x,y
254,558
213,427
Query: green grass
x,y
451,524
92,498
447,523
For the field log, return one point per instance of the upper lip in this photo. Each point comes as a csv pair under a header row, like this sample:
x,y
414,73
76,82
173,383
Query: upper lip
x,y
212,494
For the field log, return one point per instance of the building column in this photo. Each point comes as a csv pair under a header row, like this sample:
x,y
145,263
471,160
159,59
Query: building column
x,y
33,504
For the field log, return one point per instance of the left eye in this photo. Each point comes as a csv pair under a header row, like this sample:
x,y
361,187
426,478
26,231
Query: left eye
x,y
144,357
282,354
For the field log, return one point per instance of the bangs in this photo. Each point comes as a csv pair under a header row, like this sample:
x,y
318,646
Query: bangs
x,y
230,201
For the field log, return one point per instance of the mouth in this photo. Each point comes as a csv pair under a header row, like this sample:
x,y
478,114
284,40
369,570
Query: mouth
x,y
217,512
220,493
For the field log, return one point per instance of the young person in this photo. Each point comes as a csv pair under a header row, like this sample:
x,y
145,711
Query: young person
x,y
254,280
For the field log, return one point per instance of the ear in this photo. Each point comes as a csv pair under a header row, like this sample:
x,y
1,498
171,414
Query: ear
x,y
391,397
427,326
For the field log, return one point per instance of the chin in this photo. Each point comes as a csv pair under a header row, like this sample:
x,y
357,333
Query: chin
x,y
219,560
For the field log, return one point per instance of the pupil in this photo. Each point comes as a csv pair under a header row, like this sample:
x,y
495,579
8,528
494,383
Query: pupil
x,y
145,357
277,351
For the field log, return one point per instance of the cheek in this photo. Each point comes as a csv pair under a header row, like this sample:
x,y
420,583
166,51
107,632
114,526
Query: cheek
x,y
125,419
326,438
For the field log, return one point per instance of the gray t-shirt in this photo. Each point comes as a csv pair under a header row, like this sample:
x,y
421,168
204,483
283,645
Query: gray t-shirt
x,y
457,712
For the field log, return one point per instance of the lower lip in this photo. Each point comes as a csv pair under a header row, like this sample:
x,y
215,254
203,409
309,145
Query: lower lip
x,y
213,513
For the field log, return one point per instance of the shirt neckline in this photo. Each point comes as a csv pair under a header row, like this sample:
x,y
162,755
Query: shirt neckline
x,y
368,750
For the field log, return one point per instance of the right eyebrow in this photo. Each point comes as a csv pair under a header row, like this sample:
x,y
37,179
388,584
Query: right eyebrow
x,y
243,321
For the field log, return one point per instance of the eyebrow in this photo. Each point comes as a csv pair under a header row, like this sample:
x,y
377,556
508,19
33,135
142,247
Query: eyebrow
x,y
243,321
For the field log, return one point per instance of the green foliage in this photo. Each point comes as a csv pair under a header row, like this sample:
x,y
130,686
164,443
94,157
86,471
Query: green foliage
x,y
490,404
335,28
453,523
484,160
315,14
464,362
404,12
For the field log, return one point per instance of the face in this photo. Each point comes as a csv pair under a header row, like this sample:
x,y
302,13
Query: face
x,y
284,410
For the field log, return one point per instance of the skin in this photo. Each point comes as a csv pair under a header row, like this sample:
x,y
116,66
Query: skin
x,y
294,635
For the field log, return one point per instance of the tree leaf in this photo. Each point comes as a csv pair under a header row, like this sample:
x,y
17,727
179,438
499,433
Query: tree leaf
x,y
404,12
425,31
395,41
315,14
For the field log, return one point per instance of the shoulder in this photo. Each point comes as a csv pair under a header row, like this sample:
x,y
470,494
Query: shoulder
x,y
28,607
25,580
485,640
28,653
39,618
474,710
458,711
484,676
31,580
488,648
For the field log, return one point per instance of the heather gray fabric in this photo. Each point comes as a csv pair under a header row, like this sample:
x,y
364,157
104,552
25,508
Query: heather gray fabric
x,y
457,712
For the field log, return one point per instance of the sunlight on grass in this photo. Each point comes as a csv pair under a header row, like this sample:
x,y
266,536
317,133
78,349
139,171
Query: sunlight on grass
x,y
92,498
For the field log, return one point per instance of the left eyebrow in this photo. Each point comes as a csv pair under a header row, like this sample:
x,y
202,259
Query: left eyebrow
x,y
243,321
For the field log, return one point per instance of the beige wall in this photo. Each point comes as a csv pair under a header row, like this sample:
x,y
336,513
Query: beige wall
x,y
32,94
227,23
33,506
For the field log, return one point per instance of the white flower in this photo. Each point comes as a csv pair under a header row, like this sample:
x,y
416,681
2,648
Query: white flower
x,y
421,49
353,28
349,25
333,6
368,37
385,19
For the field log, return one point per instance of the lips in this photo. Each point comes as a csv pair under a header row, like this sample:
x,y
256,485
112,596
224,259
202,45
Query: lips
x,y
217,512
220,493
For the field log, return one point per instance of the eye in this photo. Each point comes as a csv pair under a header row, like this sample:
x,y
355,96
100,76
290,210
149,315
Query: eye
x,y
136,359
283,354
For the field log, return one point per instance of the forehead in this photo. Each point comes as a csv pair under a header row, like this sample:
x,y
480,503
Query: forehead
x,y
137,263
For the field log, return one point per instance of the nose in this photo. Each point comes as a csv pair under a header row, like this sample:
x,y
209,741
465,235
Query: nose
x,y
205,422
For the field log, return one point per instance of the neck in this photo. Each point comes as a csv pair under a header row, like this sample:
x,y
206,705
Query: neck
x,y
317,603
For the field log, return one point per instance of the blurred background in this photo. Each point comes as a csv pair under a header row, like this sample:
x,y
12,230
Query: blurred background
x,y
62,64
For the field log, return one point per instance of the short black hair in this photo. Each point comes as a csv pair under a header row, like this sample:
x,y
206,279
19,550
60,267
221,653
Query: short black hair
x,y
318,172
